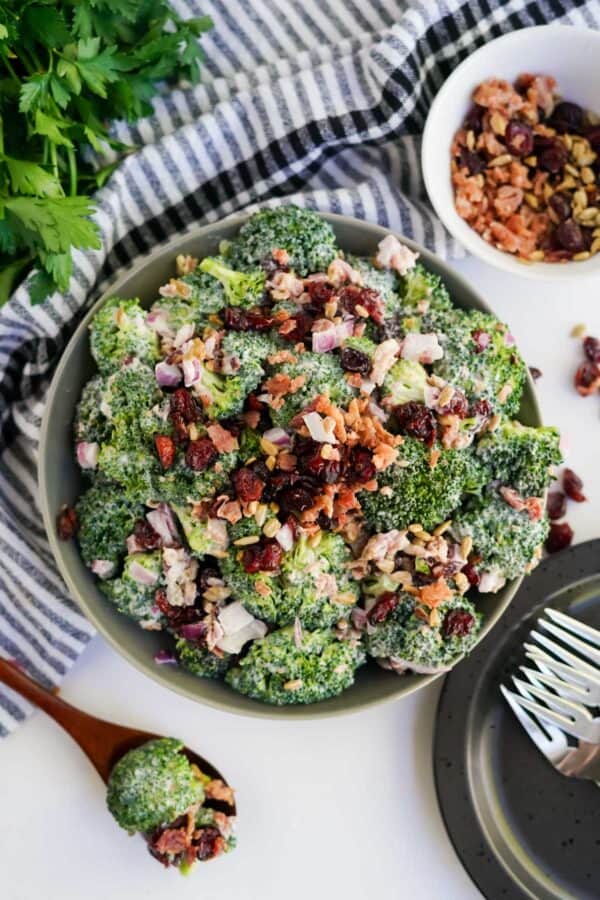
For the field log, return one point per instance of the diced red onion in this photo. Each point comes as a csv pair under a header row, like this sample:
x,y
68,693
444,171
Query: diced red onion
x,y
165,658
167,375
509,339
158,321
142,575
316,428
432,395
192,371
87,454
377,411
482,340
345,329
192,631
133,545
297,632
230,364
103,568
491,581
184,334
324,338
285,537
163,522
359,617
278,436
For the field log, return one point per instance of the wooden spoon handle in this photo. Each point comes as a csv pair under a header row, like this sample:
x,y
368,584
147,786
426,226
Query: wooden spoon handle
x,y
102,742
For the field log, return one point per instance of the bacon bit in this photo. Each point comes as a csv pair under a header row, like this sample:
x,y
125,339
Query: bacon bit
x,y
262,588
172,841
323,404
287,461
280,385
224,440
284,285
384,456
218,790
282,356
185,265
251,418
230,511
513,498
535,508
370,486
354,379
391,254
165,447
281,256
434,457
433,594
175,288
288,326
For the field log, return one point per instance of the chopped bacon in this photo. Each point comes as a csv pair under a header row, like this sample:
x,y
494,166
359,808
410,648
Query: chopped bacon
x,y
340,271
433,594
172,841
224,440
391,254
165,447
218,790
280,384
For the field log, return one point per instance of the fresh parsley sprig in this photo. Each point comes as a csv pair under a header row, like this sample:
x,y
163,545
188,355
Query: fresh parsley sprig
x,y
66,69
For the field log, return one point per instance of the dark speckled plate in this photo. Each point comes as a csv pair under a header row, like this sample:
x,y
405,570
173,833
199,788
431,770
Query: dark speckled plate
x,y
519,828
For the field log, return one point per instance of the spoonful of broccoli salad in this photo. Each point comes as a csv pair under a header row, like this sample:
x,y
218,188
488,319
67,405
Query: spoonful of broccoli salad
x,y
176,800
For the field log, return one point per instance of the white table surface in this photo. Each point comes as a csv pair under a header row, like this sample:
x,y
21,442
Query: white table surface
x,y
340,808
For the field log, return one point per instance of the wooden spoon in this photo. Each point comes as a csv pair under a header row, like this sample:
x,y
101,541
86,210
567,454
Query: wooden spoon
x,y
104,743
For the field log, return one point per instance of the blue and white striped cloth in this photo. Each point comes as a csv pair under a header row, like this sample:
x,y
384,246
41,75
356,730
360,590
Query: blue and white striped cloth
x,y
319,102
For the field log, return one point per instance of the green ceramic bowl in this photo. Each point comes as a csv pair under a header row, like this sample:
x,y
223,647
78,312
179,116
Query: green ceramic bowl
x,y
61,482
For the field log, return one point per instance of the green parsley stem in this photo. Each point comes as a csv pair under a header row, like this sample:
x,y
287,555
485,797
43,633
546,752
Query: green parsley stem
x,y
10,69
54,158
72,171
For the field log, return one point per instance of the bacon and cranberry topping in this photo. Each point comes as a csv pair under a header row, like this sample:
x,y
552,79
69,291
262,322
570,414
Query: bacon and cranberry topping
x,y
457,623
556,505
200,454
248,486
418,421
165,447
247,320
524,170
352,360
471,574
66,523
386,604
263,557
145,535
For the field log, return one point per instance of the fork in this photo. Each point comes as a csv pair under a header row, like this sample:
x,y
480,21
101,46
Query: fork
x,y
552,704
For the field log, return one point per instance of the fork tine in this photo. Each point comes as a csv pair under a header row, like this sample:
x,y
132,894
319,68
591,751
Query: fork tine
x,y
573,711
536,730
542,712
568,673
575,661
571,641
580,628
539,678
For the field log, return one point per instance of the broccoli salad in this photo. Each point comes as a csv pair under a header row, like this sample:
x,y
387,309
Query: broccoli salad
x,y
300,461
184,815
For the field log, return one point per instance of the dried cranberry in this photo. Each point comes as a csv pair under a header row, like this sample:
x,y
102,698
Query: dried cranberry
x,y
295,499
591,347
471,161
361,466
200,454
352,296
535,373
207,842
165,447
553,157
386,603
471,574
355,361
570,236
146,536
320,292
248,486
326,470
67,523
566,117
518,138
473,121
176,615
572,485
559,537
302,325
183,404
179,428
482,408
458,405
556,504
560,204
324,522
246,320
262,557
587,378
417,420
457,623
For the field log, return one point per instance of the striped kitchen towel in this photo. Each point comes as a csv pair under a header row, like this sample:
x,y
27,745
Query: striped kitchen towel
x,y
320,102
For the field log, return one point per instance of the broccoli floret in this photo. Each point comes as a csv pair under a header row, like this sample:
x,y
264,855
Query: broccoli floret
x,y
90,422
405,381
420,493
106,518
386,282
181,485
315,585
133,598
249,441
152,785
276,670
205,537
247,526
308,239
224,395
200,660
521,457
362,344
241,288
120,330
155,421
507,541
128,394
133,469
406,637
423,292
480,359
207,295
247,348
322,374
259,592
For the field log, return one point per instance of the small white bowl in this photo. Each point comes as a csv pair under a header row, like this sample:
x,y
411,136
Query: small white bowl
x,y
572,56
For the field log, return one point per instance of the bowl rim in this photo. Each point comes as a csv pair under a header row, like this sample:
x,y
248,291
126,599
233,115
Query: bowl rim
x,y
150,668
458,228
